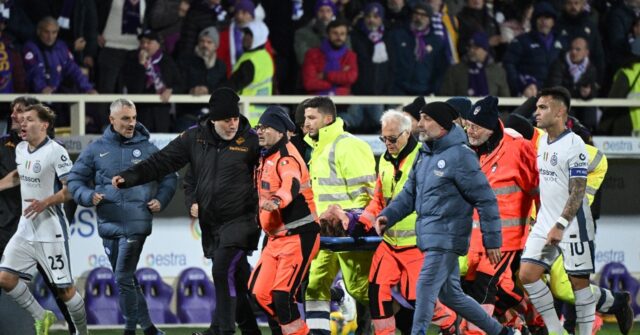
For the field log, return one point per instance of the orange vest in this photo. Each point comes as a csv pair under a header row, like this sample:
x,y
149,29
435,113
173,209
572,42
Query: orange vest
x,y
282,174
512,172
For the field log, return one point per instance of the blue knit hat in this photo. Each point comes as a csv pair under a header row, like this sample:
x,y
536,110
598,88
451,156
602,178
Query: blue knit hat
x,y
276,118
322,3
462,105
374,7
484,112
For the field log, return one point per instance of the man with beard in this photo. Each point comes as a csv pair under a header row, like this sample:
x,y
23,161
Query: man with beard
x,y
420,57
311,35
332,68
443,188
223,152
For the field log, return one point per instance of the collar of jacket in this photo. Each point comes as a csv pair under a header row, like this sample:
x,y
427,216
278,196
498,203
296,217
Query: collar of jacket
x,y
276,147
140,134
408,148
492,142
327,134
454,137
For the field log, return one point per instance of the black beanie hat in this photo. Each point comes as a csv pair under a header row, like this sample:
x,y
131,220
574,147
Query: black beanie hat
x,y
275,117
441,112
462,105
484,112
414,107
223,104
520,124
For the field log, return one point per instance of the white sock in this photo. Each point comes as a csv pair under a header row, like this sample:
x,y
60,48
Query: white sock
x,y
542,300
603,297
77,313
585,310
25,299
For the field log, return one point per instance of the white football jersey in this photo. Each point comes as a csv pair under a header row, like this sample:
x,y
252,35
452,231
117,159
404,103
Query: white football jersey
x,y
40,172
559,161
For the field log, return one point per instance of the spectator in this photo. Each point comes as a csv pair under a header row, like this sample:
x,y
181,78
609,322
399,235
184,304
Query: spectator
x,y
626,84
78,25
519,21
201,14
420,58
163,19
530,55
148,71
49,63
477,75
253,73
474,17
18,25
374,69
618,23
397,15
312,35
119,22
12,75
446,26
202,72
577,73
576,21
350,10
280,17
332,68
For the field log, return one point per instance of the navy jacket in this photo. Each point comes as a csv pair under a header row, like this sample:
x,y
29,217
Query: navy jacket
x,y
122,212
51,66
444,186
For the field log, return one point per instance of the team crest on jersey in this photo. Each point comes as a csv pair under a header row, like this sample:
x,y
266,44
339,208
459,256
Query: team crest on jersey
x,y
37,167
441,164
554,159
136,153
240,140
477,110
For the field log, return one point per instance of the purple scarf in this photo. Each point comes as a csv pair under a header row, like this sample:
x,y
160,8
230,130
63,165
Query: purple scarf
x,y
478,84
65,14
6,77
237,39
130,17
421,46
152,70
332,56
547,41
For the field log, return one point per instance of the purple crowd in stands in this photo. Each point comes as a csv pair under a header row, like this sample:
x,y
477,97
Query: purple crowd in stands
x,y
317,47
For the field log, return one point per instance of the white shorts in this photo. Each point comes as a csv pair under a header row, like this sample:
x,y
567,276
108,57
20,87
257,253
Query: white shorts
x,y
578,256
22,255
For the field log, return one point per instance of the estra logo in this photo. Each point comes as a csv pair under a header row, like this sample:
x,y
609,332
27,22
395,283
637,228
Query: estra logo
x,y
170,259
96,261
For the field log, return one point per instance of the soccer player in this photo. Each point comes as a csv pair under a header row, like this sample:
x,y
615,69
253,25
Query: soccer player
x,y
42,234
564,223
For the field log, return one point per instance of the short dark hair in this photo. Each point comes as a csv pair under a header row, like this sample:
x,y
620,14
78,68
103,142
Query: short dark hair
x,y
337,23
324,105
44,113
24,100
558,93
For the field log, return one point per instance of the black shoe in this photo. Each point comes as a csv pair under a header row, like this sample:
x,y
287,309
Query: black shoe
x,y
624,314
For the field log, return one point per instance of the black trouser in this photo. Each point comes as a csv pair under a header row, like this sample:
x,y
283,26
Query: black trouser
x,y
231,273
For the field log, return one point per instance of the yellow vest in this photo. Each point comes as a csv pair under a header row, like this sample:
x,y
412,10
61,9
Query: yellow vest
x,y
634,93
342,168
262,83
403,233
596,171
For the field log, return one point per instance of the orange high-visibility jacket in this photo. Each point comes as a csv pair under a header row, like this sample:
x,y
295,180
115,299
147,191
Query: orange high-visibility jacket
x,y
512,172
283,175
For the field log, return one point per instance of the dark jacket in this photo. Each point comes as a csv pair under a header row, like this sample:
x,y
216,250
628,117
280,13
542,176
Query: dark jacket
x,y
195,73
618,22
444,186
456,80
10,200
526,55
583,25
559,75
472,21
222,182
135,78
53,66
413,77
373,78
199,16
121,212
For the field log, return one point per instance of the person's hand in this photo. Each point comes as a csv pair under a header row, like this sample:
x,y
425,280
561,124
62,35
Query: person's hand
x,y
199,90
36,207
530,91
48,90
495,40
154,205
193,211
381,225
166,95
96,198
143,57
269,205
79,44
555,235
92,91
116,181
346,68
183,8
494,256
101,41
320,75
